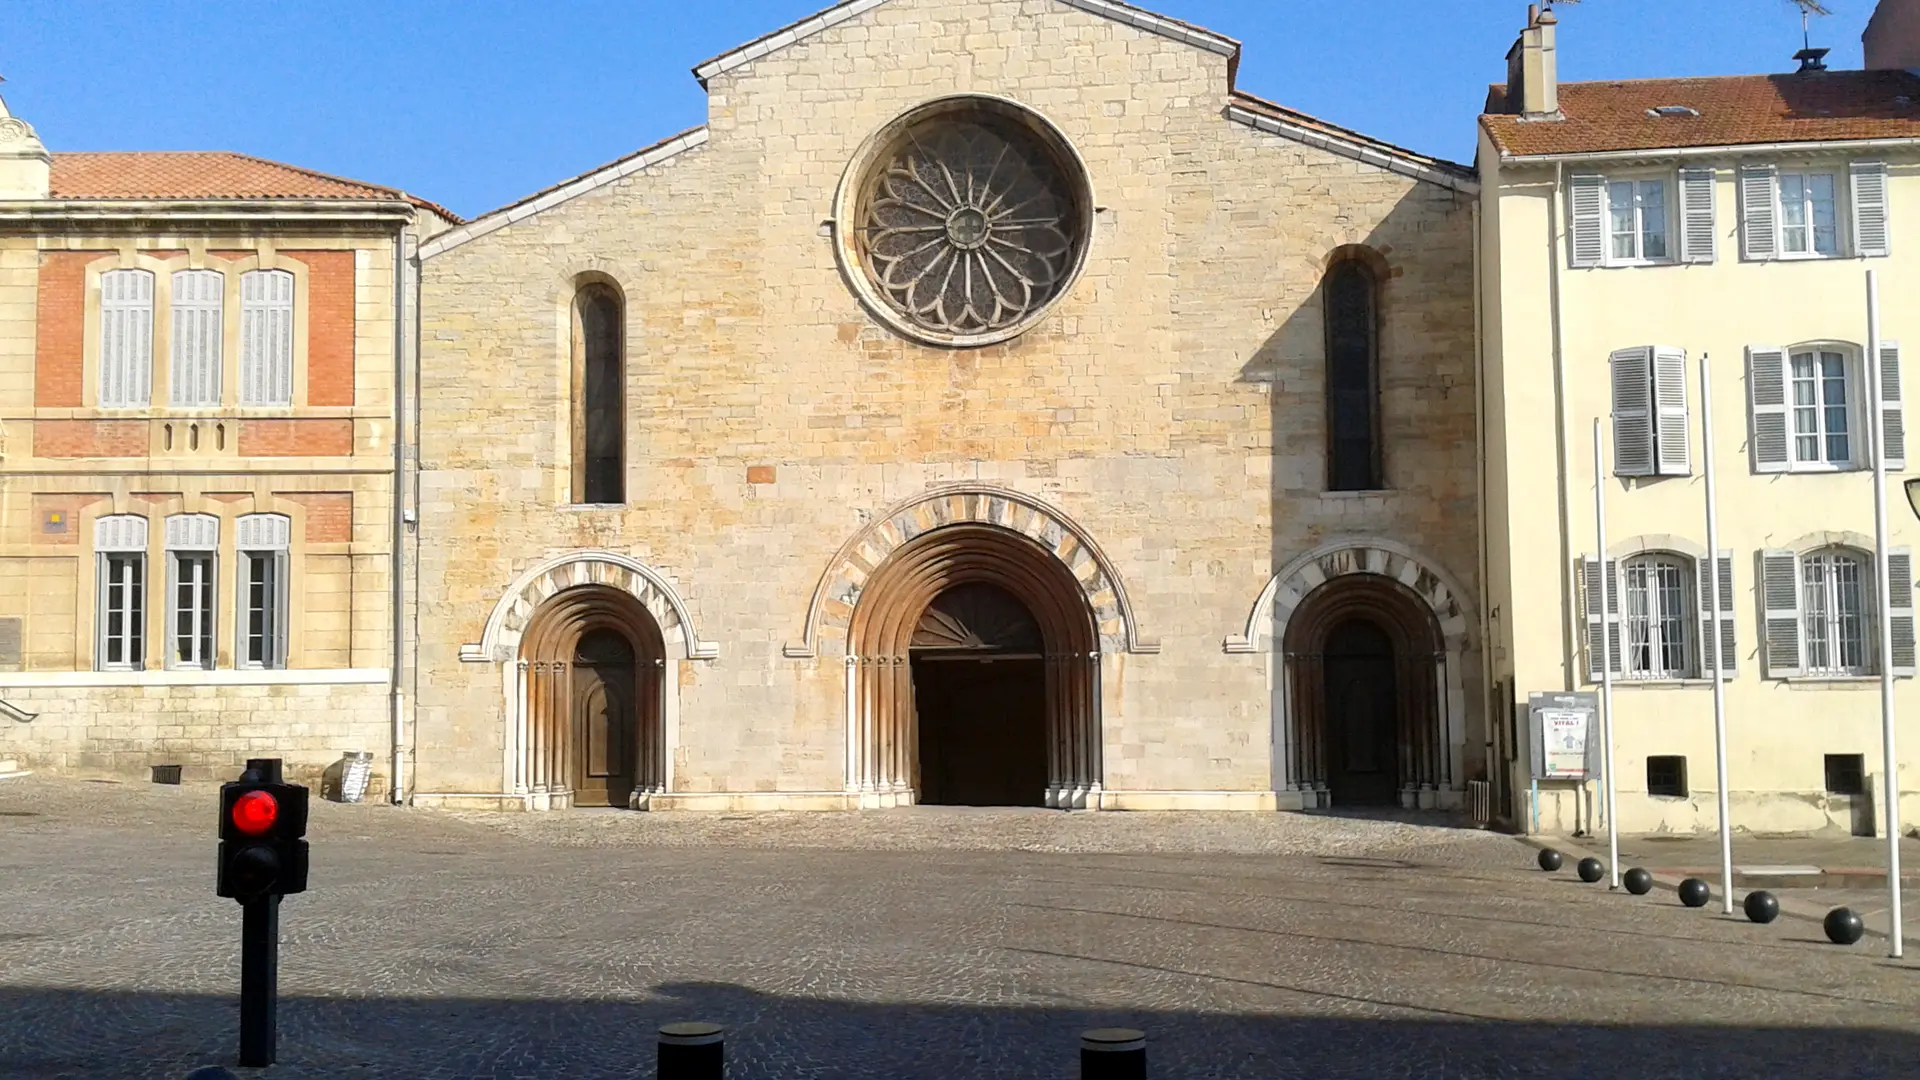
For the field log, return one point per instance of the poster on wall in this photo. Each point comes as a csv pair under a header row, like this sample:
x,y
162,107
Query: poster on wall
x,y
1565,739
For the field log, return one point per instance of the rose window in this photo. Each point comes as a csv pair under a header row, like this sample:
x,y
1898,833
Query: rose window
x,y
970,223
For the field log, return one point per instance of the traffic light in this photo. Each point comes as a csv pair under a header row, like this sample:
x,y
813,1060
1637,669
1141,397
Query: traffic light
x,y
261,824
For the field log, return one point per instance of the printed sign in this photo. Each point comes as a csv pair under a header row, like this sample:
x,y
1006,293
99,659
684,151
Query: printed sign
x,y
1563,733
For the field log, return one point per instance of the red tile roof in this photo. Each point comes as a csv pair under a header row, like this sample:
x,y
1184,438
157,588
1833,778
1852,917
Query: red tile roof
x,y
1739,110
207,175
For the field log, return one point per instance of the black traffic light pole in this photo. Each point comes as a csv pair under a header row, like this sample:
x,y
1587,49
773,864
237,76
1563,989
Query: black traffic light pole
x,y
259,980
262,858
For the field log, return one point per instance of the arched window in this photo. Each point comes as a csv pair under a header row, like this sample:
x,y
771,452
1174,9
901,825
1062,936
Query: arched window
x,y
1351,296
1662,606
126,339
599,403
199,328
266,337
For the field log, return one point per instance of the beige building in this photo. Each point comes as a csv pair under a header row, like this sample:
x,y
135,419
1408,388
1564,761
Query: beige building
x,y
197,419
990,403
1631,231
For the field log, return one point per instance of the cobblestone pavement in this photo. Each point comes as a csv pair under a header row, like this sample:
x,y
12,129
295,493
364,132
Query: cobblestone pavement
x,y
948,944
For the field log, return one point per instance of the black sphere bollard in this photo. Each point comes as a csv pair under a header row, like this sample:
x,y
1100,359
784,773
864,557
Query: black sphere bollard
x,y
1695,893
692,1052
1761,907
1637,881
1113,1054
1844,927
1551,860
1592,869
210,1072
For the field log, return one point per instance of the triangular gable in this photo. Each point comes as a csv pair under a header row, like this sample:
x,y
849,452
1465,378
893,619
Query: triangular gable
x,y
1139,18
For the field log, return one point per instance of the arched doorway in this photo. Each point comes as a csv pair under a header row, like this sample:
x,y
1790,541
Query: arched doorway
x,y
593,661
1364,657
981,640
980,700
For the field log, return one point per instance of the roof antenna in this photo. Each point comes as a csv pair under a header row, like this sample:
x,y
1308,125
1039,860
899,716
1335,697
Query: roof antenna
x,y
1811,59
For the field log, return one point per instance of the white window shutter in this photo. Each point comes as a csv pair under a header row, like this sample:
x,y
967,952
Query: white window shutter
x,y
1780,593
266,338
1597,625
1729,655
1672,435
1893,408
1871,234
1632,371
193,532
120,533
126,339
1697,195
1759,237
1767,393
1588,239
1900,577
198,330
263,532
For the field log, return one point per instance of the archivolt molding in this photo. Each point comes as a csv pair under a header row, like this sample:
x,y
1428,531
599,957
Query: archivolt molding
x,y
1450,604
500,641
839,589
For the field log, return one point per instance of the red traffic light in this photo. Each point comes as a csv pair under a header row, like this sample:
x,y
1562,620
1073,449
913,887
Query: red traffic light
x,y
255,812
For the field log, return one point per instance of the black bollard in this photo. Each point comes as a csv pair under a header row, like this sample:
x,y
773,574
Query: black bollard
x,y
1592,869
1695,893
1843,926
1637,881
692,1051
1113,1054
1551,860
210,1072
1761,907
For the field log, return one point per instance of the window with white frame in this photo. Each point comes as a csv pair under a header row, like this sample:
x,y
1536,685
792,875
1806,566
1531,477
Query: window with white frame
x,y
1814,211
1822,408
1659,618
1820,612
193,541
120,621
266,338
1811,410
262,541
198,331
1660,603
126,339
1634,220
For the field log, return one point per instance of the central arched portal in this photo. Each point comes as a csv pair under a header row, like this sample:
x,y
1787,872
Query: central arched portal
x,y
975,669
594,663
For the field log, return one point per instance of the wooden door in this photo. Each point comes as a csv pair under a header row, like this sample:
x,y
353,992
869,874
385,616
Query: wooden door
x,y
606,718
1363,746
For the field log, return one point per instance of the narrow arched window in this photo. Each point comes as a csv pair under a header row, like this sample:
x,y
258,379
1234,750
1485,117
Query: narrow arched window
x,y
599,405
1351,296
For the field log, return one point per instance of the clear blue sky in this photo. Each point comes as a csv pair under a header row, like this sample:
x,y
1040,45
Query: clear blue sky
x,y
476,102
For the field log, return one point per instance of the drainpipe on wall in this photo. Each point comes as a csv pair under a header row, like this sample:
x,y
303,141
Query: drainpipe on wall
x,y
1488,702
1570,679
397,697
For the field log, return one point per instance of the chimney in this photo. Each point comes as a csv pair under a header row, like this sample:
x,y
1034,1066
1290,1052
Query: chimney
x,y
1533,72
26,169
1893,36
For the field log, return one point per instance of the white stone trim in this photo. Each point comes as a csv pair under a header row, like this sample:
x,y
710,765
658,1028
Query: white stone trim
x,y
500,640
1135,17
1302,575
1358,151
572,189
190,677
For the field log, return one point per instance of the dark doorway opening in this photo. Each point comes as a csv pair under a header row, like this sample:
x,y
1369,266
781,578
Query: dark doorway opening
x,y
1362,710
980,698
606,718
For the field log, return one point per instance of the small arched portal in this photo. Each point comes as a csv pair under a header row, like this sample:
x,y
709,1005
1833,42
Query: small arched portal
x,y
1362,652
975,663
593,686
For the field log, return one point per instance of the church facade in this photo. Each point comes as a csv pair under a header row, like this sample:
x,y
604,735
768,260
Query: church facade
x,y
989,404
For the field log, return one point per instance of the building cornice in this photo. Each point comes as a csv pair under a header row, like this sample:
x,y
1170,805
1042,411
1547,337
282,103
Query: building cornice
x,y
1668,153
1369,153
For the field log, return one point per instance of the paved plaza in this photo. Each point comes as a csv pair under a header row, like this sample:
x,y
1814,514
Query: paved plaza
x,y
918,943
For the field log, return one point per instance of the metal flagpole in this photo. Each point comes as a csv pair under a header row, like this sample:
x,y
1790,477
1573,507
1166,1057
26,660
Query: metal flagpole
x,y
1606,653
1712,646
1883,587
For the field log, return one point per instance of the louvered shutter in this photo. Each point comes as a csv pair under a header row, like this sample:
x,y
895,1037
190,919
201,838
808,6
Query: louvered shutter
x,y
126,339
1697,195
198,327
1780,592
1729,655
1672,436
1767,393
1597,645
1893,408
1759,238
1900,577
120,533
266,338
1588,243
1871,234
1632,371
